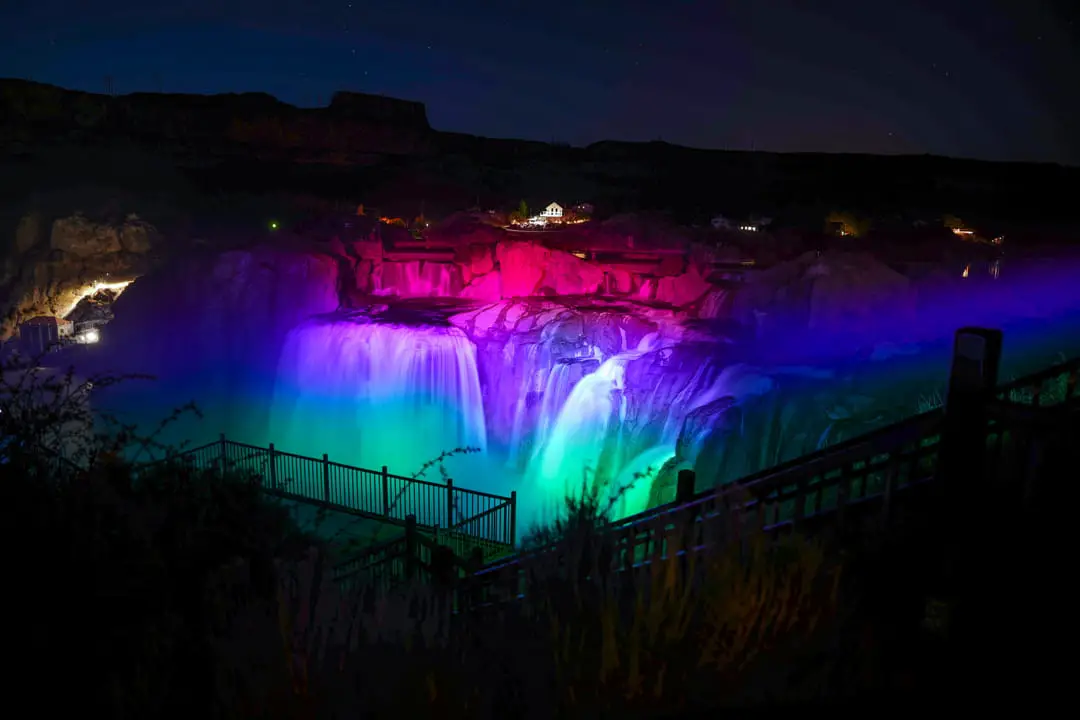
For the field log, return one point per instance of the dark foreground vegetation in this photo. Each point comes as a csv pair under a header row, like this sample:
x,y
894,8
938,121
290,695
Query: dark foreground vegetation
x,y
155,591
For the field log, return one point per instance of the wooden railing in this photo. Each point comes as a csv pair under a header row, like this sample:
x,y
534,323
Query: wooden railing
x,y
431,557
469,518
850,487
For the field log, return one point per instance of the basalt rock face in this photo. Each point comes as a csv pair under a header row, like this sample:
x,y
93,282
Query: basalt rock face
x,y
49,266
209,328
852,293
520,343
353,126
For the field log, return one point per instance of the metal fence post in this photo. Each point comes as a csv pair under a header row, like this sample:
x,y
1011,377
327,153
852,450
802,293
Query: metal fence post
x,y
512,540
224,454
326,478
385,491
273,467
449,503
410,546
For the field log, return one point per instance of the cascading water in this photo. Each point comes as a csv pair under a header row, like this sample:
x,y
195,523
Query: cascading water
x,y
574,445
372,394
589,430
417,278
556,392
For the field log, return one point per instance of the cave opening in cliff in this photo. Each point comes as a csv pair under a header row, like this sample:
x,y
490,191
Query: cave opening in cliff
x,y
90,308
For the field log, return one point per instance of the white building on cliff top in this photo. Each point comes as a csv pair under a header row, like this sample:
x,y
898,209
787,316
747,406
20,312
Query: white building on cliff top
x,y
554,210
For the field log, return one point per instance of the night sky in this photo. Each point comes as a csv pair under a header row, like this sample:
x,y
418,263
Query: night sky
x,y
991,79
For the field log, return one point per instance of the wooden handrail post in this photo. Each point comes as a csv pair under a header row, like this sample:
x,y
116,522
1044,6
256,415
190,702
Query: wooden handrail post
x,y
326,478
385,491
449,503
273,467
410,546
972,380
685,486
961,470
224,454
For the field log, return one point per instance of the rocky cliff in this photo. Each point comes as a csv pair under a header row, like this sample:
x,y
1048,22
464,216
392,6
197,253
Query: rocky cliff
x,y
212,328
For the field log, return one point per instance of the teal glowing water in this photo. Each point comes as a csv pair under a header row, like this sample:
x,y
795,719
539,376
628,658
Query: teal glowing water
x,y
371,395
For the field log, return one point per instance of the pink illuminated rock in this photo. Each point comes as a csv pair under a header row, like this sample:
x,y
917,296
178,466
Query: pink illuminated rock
x,y
682,290
480,259
620,282
568,274
522,266
368,250
362,276
671,265
529,269
487,287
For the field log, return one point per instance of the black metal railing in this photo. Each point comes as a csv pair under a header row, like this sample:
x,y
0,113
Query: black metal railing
x,y
476,517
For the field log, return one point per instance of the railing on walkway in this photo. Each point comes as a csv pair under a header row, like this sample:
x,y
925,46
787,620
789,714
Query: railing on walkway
x,y
853,484
433,557
467,517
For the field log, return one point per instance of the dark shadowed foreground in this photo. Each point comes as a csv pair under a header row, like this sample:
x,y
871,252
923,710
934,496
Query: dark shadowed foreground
x,y
143,591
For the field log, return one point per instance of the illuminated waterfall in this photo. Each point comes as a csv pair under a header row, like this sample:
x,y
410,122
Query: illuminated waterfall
x,y
377,394
574,443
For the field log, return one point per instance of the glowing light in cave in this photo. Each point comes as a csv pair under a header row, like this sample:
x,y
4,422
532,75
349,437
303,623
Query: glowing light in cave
x,y
89,337
94,289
